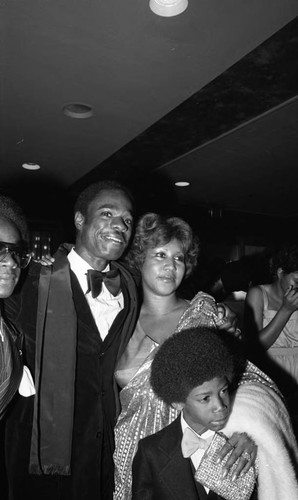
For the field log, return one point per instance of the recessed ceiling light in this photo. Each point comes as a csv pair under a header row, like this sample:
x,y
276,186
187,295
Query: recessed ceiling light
x,y
31,166
168,8
182,183
77,110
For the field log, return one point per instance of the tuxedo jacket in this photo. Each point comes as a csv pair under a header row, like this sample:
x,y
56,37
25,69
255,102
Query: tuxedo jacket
x,y
95,409
160,472
11,363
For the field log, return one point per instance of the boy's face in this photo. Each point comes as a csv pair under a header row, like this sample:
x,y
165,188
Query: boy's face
x,y
208,405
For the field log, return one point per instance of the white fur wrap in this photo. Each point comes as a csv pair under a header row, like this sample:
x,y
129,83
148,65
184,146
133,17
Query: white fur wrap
x,y
260,412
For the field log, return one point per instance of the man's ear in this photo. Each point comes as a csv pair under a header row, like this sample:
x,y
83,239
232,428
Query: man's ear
x,y
178,406
279,272
79,220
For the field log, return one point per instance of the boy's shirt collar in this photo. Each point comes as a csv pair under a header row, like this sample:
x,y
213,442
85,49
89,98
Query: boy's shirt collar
x,y
208,433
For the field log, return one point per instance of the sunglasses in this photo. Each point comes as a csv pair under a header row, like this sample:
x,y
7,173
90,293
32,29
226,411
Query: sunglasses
x,y
18,253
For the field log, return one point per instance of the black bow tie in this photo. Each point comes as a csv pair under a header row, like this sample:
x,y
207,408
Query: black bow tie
x,y
111,280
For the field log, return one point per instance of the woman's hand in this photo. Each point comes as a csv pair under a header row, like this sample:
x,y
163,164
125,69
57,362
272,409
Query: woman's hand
x,y
227,320
290,299
244,448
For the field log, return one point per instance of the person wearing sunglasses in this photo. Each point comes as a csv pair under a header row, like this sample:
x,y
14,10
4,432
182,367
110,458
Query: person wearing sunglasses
x,y
13,258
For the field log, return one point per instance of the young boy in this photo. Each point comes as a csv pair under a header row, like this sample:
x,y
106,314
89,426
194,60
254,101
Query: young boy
x,y
194,371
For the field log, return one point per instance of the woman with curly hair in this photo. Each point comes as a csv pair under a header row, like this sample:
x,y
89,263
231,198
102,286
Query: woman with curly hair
x,y
164,251
272,314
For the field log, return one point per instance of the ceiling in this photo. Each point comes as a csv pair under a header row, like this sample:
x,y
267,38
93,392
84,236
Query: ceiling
x,y
209,96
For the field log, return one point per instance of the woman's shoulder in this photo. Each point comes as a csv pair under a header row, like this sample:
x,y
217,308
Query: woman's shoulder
x,y
255,290
258,292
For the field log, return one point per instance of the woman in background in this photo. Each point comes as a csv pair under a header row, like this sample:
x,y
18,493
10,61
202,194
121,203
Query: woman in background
x,y
271,314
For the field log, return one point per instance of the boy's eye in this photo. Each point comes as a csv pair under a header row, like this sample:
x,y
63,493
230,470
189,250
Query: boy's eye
x,y
160,254
129,222
180,258
205,399
106,213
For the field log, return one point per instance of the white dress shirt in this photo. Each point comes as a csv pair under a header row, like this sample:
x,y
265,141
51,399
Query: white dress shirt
x,y
197,456
105,307
26,387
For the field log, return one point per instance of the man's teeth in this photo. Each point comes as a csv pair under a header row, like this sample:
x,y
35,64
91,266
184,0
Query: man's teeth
x,y
113,239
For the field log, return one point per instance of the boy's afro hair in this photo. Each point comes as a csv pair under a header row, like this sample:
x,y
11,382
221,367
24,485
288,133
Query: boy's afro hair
x,y
191,357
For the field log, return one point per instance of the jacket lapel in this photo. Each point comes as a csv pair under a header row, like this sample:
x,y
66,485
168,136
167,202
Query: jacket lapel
x,y
124,323
177,474
116,327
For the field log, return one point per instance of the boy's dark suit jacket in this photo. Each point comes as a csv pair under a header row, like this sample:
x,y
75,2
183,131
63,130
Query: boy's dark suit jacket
x,y
95,401
161,473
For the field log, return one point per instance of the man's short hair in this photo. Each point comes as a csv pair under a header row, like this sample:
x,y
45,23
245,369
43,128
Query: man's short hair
x,y
92,191
191,357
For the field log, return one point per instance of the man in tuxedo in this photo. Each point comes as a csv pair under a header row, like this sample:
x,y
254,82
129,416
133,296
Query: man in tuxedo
x,y
76,323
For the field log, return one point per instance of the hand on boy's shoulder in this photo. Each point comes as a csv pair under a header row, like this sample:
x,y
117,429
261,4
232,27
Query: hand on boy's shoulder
x,y
227,320
244,448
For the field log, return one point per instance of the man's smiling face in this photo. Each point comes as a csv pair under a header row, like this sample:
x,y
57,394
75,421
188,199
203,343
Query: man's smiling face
x,y
105,233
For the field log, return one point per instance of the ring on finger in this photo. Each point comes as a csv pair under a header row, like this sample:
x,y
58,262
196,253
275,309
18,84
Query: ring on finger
x,y
246,456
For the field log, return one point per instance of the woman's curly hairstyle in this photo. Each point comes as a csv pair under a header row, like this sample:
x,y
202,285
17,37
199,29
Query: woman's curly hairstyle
x,y
286,259
154,230
191,357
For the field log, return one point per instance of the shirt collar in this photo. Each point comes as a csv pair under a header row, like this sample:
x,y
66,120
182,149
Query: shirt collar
x,y
80,267
184,425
